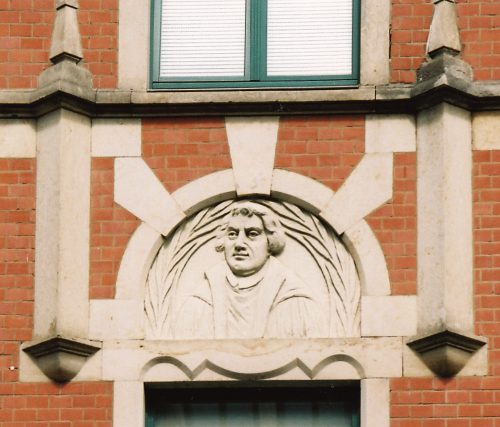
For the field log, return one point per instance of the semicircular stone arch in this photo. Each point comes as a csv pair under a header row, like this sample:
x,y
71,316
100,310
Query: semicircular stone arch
x,y
286,186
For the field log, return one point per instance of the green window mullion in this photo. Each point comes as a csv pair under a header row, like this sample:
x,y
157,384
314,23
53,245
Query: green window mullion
x,y
257,41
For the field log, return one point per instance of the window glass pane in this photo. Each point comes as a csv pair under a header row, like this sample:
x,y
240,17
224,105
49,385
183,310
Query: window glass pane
x,y
253,407
309,38
202,38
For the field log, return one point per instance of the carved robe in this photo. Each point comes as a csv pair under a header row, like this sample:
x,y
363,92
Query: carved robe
x,y
273,303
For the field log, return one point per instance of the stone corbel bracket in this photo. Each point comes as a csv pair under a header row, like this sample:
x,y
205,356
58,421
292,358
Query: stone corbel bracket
x,y
445,353
61,358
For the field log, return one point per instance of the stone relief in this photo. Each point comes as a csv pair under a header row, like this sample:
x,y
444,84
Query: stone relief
x,y
252,269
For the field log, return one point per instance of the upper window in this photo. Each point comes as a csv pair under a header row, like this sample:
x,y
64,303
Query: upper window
x,y
254,43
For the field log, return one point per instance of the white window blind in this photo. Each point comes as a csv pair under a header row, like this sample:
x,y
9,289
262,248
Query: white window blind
x,y
309,38
202,38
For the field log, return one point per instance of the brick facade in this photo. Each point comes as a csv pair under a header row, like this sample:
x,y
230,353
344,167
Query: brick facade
x,y
326,147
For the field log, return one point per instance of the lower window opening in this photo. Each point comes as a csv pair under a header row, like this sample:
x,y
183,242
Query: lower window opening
x,y
270,404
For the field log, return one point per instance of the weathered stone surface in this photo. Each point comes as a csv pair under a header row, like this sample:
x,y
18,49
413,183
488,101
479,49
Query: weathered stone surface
x,y
133,44
443,33
252,145
386,133
116,319
445,352
375,402
283,274
18,138
136,262
66,43
369,258
138,190
250,359
116,137
299,189
59,358
486,130
368,187
388,316
375,29
444,218
206,191
62,225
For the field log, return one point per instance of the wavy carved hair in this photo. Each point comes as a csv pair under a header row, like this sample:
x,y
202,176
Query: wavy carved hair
x,y
270,221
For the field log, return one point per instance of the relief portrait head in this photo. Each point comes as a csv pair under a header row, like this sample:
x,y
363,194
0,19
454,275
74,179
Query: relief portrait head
x,y
248,269
251,234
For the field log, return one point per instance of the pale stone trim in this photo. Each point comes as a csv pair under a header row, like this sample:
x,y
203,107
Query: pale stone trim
x,y
287,186
133,44
116,138
375,39
138,190
386,316
389,133
252,146
252,359
444,220
206,191
116,319
369,258
139,254
134,33
62,225
486,130
368,187
128,404
375,402
301,190
18,138
413,366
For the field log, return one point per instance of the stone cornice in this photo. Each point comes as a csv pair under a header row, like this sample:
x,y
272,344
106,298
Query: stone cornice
x,y
366,99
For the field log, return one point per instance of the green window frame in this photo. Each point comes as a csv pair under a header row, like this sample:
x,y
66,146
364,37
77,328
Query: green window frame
x,y
255,57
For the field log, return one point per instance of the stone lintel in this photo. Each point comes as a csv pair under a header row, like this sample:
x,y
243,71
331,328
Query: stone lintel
x,y
446,352
60,358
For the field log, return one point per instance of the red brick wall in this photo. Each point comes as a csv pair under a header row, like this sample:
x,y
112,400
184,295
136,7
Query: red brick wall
x,y
395,226
180,150
31,404
478,21
325,148
78,404
466,401
25,34
110,229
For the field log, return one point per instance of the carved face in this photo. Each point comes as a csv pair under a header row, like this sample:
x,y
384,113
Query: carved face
x,y
245,245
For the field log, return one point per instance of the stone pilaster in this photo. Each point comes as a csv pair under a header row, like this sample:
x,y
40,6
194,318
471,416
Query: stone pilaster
x,y
444,220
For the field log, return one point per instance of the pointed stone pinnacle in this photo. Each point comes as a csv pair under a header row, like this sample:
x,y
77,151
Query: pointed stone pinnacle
x,y
443,34
66,43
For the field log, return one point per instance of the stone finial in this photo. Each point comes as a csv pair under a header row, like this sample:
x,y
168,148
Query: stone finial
x,y
66,73
443,65
66,43
443,34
